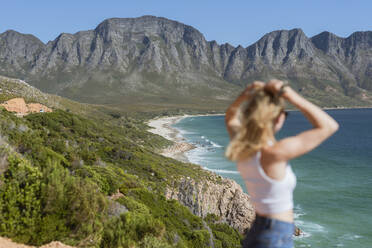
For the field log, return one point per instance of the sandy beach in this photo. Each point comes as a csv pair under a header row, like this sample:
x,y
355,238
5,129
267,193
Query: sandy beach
x,y
162,127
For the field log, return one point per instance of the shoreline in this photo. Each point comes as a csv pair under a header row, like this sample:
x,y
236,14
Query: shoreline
x,y
333,108
162,126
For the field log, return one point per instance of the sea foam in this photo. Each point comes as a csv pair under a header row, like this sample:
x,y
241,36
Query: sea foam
x,y
222,171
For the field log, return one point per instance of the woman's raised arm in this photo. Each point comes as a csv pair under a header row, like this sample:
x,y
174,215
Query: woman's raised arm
x,y
323,125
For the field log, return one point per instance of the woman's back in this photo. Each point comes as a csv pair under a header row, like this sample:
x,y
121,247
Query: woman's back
x,y
268,195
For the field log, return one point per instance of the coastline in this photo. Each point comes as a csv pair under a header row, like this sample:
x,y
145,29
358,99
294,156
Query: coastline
x,y
217,195
162,126
334,108
313,228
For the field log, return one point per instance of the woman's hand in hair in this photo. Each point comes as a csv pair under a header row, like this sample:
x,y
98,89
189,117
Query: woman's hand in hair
x,y
258,83
274,86
255,84
323,127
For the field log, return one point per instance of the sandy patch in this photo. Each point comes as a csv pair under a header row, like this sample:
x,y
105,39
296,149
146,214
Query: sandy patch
x,y
162,126
7,243
19,106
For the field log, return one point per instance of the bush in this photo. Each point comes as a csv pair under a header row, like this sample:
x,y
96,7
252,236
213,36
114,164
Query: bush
x,y
132,228
41,206
224,235
73,203
20,201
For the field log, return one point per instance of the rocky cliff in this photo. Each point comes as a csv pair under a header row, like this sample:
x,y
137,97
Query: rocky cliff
x,y
219,196
160,61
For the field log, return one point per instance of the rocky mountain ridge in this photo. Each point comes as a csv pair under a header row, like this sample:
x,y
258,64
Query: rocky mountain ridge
x,y
161,61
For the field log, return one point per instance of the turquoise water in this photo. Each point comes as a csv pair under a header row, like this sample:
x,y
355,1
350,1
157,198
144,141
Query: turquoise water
x,y
333,197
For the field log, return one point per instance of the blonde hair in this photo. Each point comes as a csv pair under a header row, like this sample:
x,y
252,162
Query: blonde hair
x,y
256,123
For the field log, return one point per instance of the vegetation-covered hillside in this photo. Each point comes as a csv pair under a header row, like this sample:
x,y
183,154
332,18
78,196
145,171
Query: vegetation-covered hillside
x,y
58,171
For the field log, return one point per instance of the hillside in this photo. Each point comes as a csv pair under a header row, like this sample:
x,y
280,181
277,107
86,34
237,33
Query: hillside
x,y
152,63
89,181
15,88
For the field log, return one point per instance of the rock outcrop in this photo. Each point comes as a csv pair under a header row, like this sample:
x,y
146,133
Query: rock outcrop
x,y
220,196
151,56
19,106
7,243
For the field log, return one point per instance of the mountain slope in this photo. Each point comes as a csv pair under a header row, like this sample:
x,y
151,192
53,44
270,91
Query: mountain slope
x,y
156,61
94,183
14,88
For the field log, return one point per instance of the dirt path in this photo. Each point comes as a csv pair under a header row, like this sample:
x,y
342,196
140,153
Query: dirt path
x,y
7,243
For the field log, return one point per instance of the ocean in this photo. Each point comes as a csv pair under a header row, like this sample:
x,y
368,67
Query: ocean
x,y
333,197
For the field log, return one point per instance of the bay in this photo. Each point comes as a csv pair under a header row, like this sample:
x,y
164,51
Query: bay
x,y
333,197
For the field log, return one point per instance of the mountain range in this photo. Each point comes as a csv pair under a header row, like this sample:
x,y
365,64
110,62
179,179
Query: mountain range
x,y
154,61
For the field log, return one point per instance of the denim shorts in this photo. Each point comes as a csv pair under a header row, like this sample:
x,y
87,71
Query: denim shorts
x,y
269,233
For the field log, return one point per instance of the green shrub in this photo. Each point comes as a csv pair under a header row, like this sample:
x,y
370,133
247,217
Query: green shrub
x,y
200,238
133,205
75,202
41,206
132,228
224,235
20,200
153,242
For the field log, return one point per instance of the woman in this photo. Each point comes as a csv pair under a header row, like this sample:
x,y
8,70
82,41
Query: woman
x,y
252,121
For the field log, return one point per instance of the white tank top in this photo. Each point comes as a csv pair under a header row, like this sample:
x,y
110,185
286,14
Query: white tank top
x,y
268,195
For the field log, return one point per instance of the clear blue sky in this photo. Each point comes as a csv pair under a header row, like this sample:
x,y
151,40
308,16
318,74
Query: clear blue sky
x,y
236,22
